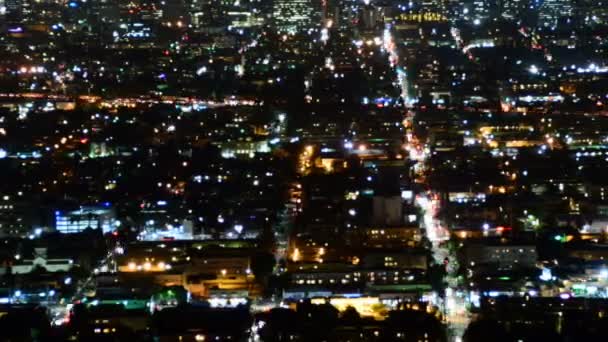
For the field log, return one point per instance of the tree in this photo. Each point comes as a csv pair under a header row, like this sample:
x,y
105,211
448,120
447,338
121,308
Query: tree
x,y
350,316
417,325
481,330
262,264
436,274
38,270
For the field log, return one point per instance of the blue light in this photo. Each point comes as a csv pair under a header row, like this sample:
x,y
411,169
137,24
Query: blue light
x,y
351,295
73,4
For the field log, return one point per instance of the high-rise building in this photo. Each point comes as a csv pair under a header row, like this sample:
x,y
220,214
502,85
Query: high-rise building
x,y
552,11
516,9
105,11
292,15
174,12
372,16
16,10
209,13
592,12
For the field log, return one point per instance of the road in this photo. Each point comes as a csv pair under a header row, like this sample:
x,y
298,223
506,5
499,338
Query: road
x,y
454,304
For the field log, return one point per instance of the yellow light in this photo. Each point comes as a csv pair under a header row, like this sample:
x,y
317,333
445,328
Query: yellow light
x,y
295,256
147,266
199,337
224,272
132,266
161,265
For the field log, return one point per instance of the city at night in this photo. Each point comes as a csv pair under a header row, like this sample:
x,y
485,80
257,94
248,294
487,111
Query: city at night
x,y
304,170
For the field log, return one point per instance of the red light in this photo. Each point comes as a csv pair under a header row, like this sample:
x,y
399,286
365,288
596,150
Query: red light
x,y
115,233
84,140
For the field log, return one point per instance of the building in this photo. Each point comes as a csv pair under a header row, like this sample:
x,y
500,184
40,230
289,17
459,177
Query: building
x,y
16,10
293,15
41,259
388,210
499,256
552,11
76,221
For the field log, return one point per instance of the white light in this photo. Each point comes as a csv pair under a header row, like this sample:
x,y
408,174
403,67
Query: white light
x,y
604,274
324,35
546,275
352,212
201,70
238,228
533,70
